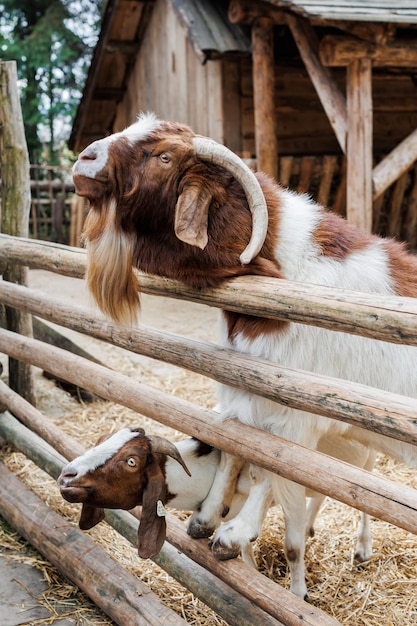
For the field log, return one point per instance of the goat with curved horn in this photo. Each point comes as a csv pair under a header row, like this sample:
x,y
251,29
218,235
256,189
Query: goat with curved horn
x,y
163,446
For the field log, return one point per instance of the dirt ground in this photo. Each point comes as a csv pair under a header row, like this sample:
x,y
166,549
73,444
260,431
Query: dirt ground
x,y
380,593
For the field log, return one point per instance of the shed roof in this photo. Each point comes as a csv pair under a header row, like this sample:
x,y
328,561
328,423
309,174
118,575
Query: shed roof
x,y
210,32
400,12
122,31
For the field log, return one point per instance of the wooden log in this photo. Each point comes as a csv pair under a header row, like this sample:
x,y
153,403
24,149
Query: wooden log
x,y
222,597
394,164
341,481
121,595
357,404
15,209
389,318
337,51
263,69
329,93
359,144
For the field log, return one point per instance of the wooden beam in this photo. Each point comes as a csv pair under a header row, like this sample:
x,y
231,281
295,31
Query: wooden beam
x,y
394,164
359,144
247,11
264,96
331,98
341,51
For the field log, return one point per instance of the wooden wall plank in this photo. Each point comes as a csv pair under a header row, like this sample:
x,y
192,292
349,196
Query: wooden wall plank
x,y
263,74
359,144
232,118
395,216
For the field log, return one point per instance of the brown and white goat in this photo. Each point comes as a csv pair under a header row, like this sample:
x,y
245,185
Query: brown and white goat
x,y
173,204
128,468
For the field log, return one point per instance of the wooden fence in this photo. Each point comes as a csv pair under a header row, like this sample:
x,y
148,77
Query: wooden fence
x,y
254,599
56,213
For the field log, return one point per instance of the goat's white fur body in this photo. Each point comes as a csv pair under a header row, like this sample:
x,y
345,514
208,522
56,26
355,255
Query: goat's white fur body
x,y
387,366
253,495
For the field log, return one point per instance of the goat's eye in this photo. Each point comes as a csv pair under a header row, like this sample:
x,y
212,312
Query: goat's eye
x,y
165,158
131,462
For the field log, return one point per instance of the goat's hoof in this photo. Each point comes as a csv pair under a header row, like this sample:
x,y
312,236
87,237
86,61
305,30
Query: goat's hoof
x,y
224,553
199,531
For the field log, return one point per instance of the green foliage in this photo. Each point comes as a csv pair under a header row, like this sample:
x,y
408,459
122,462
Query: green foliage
x,y
52,42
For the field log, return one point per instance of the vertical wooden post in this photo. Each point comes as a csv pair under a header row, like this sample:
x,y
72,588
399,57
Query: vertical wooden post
x,y
264,96
15,196
359,143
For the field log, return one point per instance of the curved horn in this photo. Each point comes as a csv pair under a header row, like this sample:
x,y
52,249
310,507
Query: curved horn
x,y
209,150
159,444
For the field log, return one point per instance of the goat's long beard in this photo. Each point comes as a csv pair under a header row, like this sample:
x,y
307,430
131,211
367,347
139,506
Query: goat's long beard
x,y
110,276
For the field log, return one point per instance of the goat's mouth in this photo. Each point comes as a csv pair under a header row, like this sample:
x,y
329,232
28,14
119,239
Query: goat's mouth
x,y
75,494
89,186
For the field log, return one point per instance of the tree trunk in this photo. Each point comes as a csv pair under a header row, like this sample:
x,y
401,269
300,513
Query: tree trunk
x,y
15,194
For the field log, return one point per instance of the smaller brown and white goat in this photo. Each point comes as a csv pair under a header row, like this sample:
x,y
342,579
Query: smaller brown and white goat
x,y
130,468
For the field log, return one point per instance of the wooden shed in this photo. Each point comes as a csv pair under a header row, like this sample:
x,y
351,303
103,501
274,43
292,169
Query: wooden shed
x,y
321,94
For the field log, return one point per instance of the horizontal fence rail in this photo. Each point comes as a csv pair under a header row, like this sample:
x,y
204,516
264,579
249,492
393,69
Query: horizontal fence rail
x,y
388,318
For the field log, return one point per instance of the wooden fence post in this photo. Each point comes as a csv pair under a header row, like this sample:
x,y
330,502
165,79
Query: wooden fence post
x,y
15,195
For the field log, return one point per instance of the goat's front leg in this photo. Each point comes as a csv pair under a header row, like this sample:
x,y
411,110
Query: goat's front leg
x,y
216,505
292,499
235,536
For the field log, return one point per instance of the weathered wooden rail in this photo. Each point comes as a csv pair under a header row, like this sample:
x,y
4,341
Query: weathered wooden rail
x,y
388,318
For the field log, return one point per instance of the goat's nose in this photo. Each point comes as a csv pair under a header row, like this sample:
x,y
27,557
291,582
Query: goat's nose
x,y
88,154
67,473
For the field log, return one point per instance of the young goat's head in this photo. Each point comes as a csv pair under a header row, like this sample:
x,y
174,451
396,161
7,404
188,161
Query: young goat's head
x,y
120,472
154,190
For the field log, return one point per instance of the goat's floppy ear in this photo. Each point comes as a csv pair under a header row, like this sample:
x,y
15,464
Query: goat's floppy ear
x,y
152,527
90,516
191,215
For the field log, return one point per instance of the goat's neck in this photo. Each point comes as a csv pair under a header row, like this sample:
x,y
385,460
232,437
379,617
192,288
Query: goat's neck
x,y
185,492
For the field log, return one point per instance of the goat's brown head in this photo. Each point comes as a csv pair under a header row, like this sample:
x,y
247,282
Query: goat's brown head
x,y
153,190
120,472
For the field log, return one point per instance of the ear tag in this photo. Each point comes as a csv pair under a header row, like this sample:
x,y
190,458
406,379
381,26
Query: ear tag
x,y
160,509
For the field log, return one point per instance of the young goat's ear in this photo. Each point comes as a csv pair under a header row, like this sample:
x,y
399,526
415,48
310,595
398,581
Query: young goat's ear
x,y
191,215
90,516
152,527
